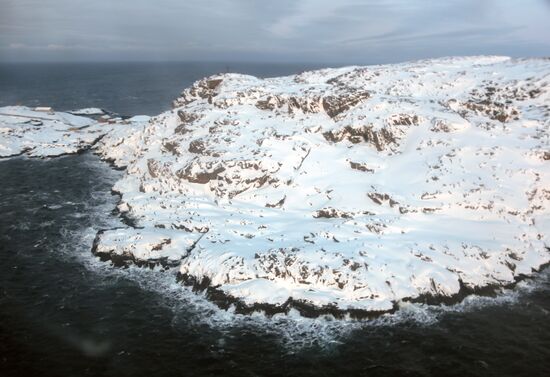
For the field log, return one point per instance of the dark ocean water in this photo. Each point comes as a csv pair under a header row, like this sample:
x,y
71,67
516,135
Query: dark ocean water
x,y
64,313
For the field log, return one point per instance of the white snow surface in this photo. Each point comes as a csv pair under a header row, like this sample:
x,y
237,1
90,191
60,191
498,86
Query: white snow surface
x,y
24,131
39,134
144,245
88,111
354,187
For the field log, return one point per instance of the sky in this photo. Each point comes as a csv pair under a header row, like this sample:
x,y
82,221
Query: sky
x,y
316,31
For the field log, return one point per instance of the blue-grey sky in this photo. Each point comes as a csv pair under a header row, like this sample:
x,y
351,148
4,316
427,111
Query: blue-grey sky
x,y
321,31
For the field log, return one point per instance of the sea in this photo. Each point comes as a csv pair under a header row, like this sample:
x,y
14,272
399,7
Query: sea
x,y
65,313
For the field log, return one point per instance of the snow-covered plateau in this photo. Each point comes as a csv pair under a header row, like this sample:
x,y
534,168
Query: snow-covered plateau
x,y
339,190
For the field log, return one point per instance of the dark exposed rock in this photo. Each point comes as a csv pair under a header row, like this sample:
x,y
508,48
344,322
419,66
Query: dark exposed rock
x,y
381,198
270,103
279,204
306,104
335,105
360,167
203,176
203,89
379,138
213,84
197,146
440,125
306,309
187,117
405,120
126,260
172,147
152,167
161,245
493,110
182,129
330,213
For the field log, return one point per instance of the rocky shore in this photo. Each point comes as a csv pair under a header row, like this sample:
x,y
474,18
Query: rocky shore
x,y
339,191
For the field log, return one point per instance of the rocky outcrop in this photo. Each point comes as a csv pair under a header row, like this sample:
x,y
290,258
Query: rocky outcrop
x,y
335,105
24,131
203,89
380,139
340,191
344,190
141,247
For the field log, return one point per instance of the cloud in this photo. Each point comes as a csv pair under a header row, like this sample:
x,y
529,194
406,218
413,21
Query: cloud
x,y
286,30
304,13
399,36
48,47
16,46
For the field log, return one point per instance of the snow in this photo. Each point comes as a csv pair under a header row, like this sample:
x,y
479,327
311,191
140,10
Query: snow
x,y
88,111
355,187
39,134
145,245
139,118
118,147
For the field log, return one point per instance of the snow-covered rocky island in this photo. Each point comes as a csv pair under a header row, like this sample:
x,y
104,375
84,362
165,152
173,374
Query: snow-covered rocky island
x,y
337,191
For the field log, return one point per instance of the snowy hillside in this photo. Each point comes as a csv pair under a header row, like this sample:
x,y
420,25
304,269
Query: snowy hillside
x,y
349,188
25,131
39,134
